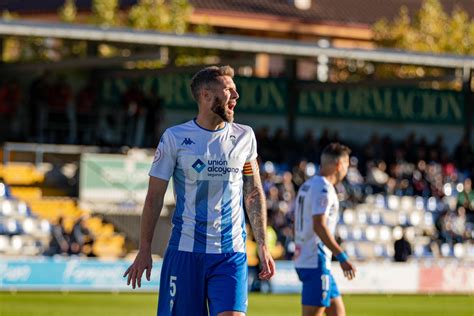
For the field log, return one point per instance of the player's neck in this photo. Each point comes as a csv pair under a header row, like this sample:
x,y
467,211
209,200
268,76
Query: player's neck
x,y
210,122
330,176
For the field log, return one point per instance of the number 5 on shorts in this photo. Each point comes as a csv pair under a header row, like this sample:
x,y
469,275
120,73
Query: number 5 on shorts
x,y
173,279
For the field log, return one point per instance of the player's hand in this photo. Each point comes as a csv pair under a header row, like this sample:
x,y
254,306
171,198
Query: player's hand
x,y
266,260
135,271
348,269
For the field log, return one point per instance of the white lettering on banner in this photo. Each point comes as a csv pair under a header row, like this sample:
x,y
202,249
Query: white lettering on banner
x,y
19,273
457,278
413,277
76,272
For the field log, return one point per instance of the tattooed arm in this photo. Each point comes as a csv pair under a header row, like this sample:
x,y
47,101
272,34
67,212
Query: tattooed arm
x,y
255,205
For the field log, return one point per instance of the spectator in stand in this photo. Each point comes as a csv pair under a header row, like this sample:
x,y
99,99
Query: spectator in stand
x,y
61,108
281,146
377,177
419,182
309,146
154,117
464,156
79,237
287,188
38,109
299,173
324,140
134,101
273,200
466,199
265,144
459,225
402,249
59,243
87,108
10,109
409,145
388,148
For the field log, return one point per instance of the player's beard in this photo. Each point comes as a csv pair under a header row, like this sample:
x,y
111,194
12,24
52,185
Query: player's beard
x,y
219,107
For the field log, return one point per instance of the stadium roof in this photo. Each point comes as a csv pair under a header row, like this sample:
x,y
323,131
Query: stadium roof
x,y
228,43
340,11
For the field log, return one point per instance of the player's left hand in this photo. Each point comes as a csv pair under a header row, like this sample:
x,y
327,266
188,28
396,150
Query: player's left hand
x,y
266,260
348,269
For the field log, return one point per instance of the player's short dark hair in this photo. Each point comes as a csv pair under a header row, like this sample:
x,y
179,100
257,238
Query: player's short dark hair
x,y
208,75
335,151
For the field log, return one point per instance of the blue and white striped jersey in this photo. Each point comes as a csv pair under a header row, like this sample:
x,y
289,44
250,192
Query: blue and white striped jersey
x,y
207,171
316,196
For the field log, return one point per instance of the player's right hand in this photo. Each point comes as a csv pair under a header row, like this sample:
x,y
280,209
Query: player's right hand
x,y
348,269
135,271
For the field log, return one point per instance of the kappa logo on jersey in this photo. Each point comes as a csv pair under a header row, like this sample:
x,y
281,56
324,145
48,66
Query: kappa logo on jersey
x,y
187,141
199,166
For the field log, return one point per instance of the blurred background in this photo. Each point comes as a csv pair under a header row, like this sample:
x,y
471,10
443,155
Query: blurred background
x,y
87,87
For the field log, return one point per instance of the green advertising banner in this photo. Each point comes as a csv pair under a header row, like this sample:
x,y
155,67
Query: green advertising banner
x,y
270,96
111,183
387,104
113,178
266,96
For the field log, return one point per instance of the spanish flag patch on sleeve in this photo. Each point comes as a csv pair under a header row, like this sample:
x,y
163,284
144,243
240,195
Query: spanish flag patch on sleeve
x,y
248,169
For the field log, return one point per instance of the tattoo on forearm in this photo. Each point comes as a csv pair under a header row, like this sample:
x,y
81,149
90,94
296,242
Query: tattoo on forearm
x,y
255,204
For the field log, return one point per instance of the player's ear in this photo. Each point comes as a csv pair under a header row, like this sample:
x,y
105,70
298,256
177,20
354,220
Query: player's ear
x,y
206,94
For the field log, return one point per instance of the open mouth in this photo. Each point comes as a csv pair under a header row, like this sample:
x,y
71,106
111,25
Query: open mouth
x,y
231,105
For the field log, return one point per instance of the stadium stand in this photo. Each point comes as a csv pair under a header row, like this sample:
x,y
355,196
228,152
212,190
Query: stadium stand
x,y
411,188
27,219
392,189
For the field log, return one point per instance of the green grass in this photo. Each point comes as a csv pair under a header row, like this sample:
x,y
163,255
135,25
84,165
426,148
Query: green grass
x,y
128,304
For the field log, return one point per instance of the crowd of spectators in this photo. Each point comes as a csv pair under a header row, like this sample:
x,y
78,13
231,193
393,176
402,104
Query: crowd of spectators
x,y
412,167
79,241
50,110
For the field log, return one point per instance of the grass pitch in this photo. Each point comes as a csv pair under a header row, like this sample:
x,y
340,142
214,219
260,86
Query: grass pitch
x,y
137,304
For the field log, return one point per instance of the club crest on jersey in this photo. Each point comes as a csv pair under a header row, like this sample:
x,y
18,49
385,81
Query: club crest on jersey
x,y
233,139
188,141
199,166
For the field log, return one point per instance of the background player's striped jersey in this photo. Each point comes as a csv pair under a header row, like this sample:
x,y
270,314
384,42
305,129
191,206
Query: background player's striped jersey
x,y
315,196
207,171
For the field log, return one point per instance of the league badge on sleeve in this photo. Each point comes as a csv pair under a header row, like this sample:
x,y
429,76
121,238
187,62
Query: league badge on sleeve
x,y
323,201
158,155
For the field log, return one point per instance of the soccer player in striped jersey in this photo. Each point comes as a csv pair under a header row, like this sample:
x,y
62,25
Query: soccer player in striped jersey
x,y
316,215
213,164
